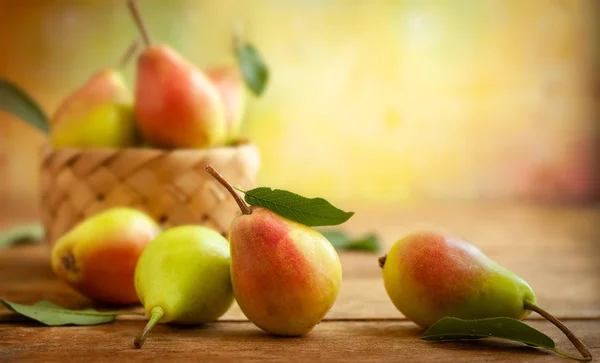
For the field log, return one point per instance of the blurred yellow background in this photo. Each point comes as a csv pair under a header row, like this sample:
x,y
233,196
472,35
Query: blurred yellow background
x,y
370,102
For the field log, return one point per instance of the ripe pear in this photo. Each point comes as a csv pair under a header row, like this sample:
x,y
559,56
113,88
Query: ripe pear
x,y
228,79
285,275
183,277
98,256
98,114
176,104
429,276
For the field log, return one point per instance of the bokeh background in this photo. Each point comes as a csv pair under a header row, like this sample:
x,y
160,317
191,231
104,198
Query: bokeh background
x,y
370,102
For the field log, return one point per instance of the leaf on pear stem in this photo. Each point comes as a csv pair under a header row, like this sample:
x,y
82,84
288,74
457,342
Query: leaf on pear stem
x,y
25,234
450,328
254,69
342,241
308,211
454,329
17,102
51,314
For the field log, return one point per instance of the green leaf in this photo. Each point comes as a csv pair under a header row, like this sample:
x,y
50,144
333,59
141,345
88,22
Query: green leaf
x,y
254,69
342,241
453,329
26,234
18,103
49,313
450,328
308,211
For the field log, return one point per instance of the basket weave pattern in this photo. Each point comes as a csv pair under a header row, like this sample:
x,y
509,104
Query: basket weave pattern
x,y
169,185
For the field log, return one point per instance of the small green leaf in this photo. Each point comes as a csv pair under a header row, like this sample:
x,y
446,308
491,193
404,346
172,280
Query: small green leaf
x,y
341,241
254,69
308,211
26,234
18,103
49,313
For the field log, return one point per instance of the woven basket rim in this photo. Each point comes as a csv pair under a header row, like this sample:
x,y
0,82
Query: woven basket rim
x,y
170,185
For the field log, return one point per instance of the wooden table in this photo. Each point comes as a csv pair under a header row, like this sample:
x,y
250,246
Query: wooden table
x,y
555,249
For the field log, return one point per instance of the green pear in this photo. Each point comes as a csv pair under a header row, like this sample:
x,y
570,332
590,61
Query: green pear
x,y
285,275
183,277
99,113
429,276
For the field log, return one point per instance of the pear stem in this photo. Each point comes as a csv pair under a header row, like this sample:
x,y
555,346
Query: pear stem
x,y
237,37
156,313
551,318
139,21
129,53
381,261
243,206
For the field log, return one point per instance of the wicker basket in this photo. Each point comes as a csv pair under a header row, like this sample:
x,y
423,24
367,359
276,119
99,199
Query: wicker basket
x,y
170,185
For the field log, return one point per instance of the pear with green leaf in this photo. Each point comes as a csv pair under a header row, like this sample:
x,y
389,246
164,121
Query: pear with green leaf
x,y
285,275
231,78
430,276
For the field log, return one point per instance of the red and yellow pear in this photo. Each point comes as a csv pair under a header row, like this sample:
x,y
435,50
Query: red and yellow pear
x,y
228,79
285,275
430,275
98,257
176,104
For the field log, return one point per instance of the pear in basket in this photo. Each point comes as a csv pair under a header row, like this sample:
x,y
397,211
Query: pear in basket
x,y
228,79
98,114
176,104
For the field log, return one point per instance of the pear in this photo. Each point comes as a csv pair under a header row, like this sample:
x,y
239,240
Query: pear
x,y
429,276
176,104
285,275
98,256
98,114
183,277
228,79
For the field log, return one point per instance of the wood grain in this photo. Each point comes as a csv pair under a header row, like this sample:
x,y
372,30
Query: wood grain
x,y
365,341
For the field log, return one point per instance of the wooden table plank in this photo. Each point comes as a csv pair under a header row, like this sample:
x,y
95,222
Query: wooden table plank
x,y
555,249
393,341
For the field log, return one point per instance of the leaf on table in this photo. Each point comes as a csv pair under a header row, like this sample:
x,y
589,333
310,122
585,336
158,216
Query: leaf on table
x,y
452,329
49,313
308,211
254,69
25,234
342,241
18,103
